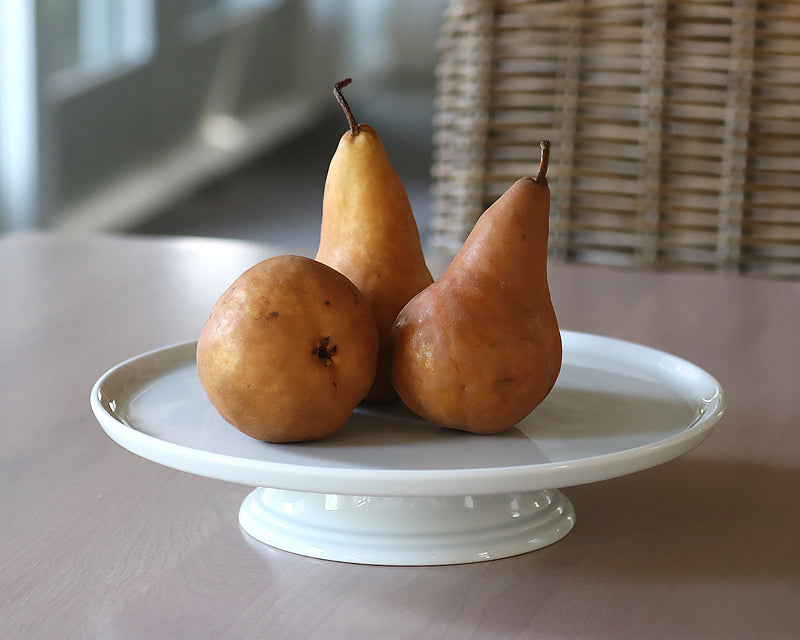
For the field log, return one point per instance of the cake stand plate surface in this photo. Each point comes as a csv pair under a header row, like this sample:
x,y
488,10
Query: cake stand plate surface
x,y
393,489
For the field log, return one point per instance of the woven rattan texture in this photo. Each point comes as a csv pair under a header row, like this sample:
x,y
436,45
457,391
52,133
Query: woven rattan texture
x,y
675,127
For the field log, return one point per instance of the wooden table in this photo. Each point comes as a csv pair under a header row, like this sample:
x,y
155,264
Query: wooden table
x,y
99,543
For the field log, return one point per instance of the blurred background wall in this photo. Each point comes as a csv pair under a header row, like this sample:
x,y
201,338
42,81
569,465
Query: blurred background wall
x,y
113,110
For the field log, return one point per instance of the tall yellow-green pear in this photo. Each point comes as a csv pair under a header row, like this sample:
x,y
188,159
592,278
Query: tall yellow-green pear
x,y
369,234
480,348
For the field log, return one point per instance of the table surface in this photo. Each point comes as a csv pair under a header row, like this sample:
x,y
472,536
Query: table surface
x,y
97,542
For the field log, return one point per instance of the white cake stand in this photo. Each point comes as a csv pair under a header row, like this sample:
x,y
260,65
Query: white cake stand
x,y
393,489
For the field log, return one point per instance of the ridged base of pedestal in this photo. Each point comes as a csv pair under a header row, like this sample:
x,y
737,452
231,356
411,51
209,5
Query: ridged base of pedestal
x,y
407,530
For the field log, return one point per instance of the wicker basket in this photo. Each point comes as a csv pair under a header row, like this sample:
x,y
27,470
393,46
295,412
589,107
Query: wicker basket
x,y
675,127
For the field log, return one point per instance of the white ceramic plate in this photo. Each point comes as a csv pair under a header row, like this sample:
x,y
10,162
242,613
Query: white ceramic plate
x,y
616,408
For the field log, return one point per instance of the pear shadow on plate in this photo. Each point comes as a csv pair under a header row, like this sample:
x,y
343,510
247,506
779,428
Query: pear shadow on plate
x,y
392,437
571,424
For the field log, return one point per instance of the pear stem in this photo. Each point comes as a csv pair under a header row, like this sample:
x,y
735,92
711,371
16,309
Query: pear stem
x,y
541,177
348,112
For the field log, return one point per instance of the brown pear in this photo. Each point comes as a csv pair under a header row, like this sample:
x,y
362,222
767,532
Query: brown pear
x,y
480,348
288,350
369,234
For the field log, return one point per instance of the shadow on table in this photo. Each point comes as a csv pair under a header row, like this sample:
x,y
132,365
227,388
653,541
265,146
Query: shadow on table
x,y
723,520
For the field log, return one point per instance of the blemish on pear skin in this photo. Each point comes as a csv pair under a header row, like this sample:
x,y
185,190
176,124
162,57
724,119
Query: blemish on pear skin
x,y
327,303
270,316
325,351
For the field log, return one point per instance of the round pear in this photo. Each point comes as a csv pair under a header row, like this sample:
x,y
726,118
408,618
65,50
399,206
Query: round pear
x,y
288,350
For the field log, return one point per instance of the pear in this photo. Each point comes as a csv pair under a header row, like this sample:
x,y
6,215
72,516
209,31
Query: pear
x,y
369,233
288,350
480,348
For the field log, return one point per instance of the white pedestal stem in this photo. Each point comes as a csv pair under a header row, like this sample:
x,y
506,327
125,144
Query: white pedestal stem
x,y
407,530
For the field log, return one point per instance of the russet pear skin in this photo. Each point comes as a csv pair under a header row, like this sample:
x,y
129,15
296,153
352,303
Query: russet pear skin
x,y
288,350
369,234
480,348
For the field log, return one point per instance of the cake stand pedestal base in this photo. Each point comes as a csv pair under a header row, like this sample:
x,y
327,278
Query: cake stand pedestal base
x,y
426,530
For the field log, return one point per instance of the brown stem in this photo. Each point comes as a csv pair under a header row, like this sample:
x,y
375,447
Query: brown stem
x,y
348,112
541,177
